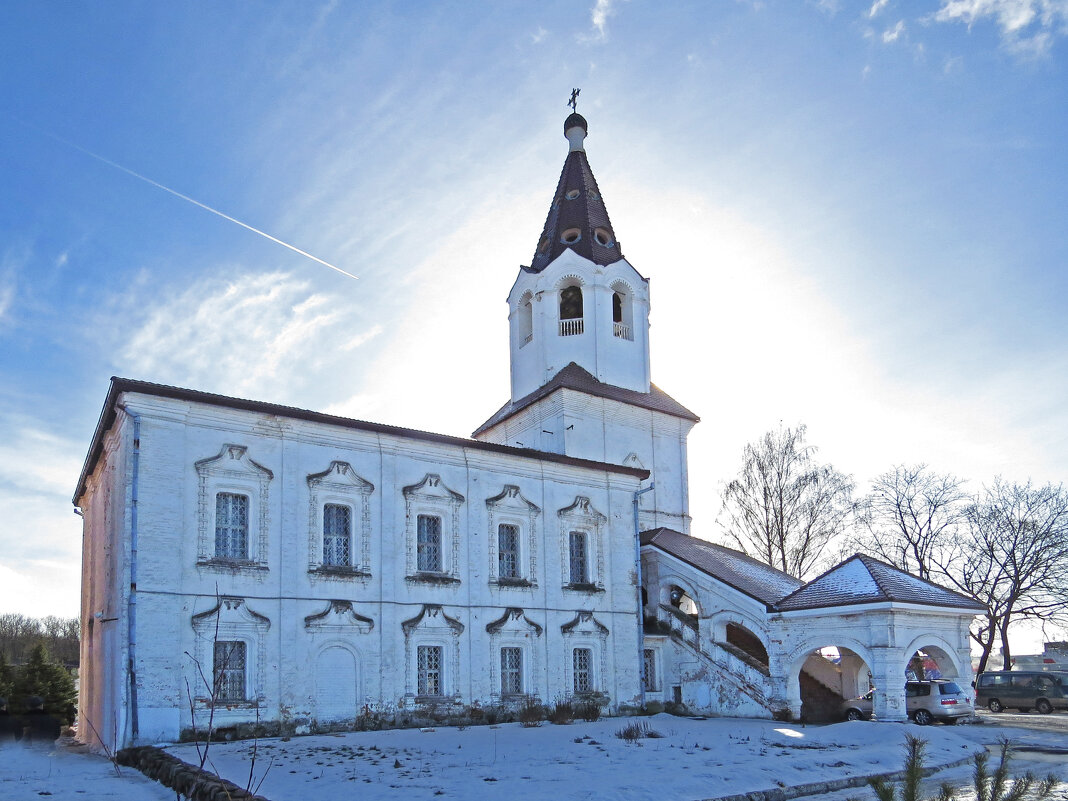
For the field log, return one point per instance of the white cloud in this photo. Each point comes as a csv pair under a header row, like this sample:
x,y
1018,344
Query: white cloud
x,y
7,296
538,35
602,10
1027,26
876,7
893,34
243,336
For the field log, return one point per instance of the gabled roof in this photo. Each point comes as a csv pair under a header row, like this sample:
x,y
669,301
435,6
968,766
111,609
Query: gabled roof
x,y
581,380
577,204
121,385
860,579
734,568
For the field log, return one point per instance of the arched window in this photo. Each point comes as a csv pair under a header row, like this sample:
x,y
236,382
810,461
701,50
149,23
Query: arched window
x,y
526,320
622,312
570,311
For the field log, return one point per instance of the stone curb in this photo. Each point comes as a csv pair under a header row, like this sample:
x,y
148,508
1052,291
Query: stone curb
x,y
818,788
185,779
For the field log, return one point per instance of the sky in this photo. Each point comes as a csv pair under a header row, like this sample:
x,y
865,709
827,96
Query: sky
x,y
852,216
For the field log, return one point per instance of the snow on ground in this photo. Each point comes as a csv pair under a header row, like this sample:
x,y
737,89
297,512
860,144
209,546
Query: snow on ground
x,y
28,774
693,760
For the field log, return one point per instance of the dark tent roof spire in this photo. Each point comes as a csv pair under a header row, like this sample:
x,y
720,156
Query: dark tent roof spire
x,y
578,219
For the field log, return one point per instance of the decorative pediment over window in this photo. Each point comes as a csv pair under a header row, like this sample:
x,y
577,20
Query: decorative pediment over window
x,y
428,499
433,487
232,472
519,515
585,623
341,476
582,508
340,484
230,612
233,459
339,616
513,621
431,617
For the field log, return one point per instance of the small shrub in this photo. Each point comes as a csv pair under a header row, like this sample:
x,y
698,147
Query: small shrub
x,y
589,711
561,713
531,714
491,713
637,730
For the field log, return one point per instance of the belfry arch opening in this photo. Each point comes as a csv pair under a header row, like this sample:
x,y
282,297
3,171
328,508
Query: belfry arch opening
x,y
571,311
526,319
622,311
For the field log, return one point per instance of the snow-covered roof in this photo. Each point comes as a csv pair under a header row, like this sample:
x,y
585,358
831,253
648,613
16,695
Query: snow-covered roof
x,y
861,579
734,568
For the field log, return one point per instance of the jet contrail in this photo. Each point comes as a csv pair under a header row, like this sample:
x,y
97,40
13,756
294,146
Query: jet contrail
x,y
195,202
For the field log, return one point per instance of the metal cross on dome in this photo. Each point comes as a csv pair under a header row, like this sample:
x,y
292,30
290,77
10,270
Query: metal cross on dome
x,y
573,102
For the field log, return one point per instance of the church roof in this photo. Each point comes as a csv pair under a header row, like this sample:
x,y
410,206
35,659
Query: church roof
x,y
581,380
578,219
734,568
860,579
121,385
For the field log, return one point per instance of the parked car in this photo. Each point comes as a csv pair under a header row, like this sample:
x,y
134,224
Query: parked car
x,y
925,702
1022,689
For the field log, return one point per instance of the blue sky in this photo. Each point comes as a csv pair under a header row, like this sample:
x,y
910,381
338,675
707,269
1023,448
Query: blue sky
x,y
852,214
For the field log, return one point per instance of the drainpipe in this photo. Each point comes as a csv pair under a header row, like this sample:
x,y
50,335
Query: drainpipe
x,y
641,612
131,617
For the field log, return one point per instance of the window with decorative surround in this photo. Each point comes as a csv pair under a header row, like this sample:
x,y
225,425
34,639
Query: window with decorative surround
x,y
512,541
339,523
232,639
431,654
582,547
586,672
514,655
233,513
432,515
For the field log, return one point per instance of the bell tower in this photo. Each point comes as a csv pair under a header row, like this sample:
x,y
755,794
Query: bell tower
x,y
579,344
579,300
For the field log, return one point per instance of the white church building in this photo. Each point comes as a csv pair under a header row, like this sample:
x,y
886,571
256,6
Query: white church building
x,y
294,568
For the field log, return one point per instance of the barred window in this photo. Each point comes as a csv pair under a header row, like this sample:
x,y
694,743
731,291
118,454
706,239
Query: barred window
x,y
429,670
508,551
230,663
231,526
337,534
579,571
429,543
511,671
649,669
583,664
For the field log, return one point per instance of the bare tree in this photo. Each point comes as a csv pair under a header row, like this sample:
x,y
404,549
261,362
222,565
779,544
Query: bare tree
x,y
910,514
1012,557
784,508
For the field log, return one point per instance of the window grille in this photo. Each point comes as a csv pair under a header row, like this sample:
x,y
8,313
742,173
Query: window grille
x,y
429,668
579,572
508,551
429,544
649,669
583,664
511,671
230,664
231,526
337,534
